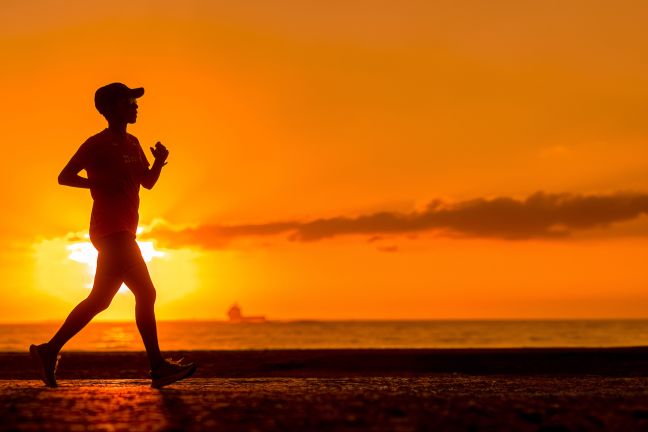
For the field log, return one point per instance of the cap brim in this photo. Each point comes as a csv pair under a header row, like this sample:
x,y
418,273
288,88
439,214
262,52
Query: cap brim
x,y
136,92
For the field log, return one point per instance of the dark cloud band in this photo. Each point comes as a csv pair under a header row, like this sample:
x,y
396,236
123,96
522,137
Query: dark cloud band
x,y
540,215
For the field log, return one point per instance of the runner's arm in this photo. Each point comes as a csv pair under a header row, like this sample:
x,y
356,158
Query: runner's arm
x,y
151,175
69,176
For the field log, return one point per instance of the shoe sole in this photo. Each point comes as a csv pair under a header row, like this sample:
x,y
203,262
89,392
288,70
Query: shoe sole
x,y
33,350
173,378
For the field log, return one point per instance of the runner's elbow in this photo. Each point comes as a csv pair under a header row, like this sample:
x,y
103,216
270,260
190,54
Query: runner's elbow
x,y
63,179
67,176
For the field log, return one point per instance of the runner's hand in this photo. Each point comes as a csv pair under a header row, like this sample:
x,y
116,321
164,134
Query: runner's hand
x,y
160,153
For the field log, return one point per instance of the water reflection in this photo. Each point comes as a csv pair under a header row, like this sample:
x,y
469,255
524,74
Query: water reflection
x,y
201,335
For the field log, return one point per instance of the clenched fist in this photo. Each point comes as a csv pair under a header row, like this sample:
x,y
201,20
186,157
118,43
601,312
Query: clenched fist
x,y
160,153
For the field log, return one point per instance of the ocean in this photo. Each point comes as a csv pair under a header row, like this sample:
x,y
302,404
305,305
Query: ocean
x,y
220,335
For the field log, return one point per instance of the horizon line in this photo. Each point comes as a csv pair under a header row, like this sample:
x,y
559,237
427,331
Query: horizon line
x,y
296,320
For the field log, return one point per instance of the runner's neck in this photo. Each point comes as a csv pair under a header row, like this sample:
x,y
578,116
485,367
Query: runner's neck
x,y
118,129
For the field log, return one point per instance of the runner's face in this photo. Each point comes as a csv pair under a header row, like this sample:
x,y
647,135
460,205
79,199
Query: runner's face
x,y
126,109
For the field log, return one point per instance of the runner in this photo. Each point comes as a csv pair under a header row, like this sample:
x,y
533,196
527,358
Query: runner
x,y
116,166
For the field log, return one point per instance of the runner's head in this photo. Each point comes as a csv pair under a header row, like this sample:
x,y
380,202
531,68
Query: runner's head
x,y
118,102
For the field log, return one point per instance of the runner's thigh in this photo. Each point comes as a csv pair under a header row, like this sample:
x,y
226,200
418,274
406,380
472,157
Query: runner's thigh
x,y
108,277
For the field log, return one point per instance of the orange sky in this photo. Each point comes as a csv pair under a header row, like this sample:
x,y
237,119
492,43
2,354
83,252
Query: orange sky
x,y
308,140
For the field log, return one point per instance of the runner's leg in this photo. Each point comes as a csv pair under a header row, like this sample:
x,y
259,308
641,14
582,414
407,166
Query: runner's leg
x,y
138,280
106,284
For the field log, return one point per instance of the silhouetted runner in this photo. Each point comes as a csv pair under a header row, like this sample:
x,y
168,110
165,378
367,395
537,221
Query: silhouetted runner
x,y
116,166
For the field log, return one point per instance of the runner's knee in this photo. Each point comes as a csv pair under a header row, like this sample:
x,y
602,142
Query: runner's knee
x,y
147,295
97,303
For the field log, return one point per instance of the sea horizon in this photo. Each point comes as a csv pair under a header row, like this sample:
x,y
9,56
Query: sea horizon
x,y
339,334
293,320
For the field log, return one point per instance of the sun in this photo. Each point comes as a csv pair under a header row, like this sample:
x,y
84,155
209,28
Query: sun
x,y
85,253
64,267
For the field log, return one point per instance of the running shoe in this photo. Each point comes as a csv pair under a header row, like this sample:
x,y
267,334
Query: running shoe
x,y
171,371
46,362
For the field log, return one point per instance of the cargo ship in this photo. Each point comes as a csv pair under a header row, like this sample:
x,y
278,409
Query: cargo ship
x,y
235,315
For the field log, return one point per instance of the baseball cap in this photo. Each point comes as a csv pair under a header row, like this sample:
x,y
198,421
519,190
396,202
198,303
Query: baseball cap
x,y
105,96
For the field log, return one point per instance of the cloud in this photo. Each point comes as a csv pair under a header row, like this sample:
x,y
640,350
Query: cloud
x,y
213,236
541,215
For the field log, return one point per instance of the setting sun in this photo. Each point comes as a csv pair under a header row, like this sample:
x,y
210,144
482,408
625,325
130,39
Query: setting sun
x,y
73,259
85,253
